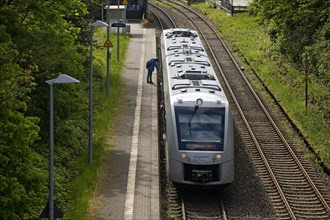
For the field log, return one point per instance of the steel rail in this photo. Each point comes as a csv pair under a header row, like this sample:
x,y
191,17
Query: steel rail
x,y
268,116
317,192
222,210
166,15
278,187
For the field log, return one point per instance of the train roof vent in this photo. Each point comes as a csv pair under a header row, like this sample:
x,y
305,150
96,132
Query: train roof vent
x,y
211,84
202,62
180,84
175,62
199,48
185,46
176,47
189,60
196,75
183,84
187,51
195,82
181,33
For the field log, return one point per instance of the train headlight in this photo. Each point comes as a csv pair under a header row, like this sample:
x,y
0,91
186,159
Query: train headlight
x,y
199,102
184,155
218,156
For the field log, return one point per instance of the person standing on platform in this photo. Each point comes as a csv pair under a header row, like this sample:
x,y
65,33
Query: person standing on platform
x,y
151,65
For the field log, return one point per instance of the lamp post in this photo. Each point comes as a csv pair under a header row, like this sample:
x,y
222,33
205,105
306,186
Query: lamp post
x,y
108,52
98,23
118,31
61,79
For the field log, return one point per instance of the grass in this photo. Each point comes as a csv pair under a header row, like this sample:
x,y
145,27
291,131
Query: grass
x,y
106,110
245,36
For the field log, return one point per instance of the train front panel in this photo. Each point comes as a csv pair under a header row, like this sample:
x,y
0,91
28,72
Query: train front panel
x,y
200,141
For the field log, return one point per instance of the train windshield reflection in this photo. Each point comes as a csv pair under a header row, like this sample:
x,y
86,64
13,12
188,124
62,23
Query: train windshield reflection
x,y
200,129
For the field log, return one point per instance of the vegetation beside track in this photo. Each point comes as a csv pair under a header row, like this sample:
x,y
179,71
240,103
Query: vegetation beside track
x,y
105,119
38,44
246,37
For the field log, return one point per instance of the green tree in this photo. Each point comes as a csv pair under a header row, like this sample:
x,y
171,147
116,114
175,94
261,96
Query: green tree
x,y
293,23
300,29
21,179
39,41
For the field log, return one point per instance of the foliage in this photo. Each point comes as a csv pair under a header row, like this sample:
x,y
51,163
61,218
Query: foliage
x,y
39,39
21,180
301,31
293,23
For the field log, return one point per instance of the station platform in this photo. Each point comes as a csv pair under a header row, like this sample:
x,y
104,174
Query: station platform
x,y
127,186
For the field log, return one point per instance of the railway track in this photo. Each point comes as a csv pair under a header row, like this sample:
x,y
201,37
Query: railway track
x,y
210,207
289,180
164,19
188,204
182,203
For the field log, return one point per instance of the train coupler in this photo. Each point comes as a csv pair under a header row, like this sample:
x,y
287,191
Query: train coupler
x,y
202,175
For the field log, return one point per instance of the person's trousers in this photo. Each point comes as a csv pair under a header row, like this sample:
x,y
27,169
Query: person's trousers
x,y
149,76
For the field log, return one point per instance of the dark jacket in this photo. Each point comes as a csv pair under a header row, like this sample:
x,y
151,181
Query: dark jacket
x,y
153,65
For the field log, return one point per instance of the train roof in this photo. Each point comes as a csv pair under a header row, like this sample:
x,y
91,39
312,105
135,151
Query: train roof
x,y
182,41
192,74
189,69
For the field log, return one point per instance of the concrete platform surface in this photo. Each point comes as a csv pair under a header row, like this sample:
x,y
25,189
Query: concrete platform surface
x,y
127,186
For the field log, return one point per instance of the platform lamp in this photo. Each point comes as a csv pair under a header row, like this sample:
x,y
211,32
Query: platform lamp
x,y
98,23
61,79
118,45
108,51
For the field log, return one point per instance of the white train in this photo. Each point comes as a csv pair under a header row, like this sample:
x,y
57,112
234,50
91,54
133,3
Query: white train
x,y
199,123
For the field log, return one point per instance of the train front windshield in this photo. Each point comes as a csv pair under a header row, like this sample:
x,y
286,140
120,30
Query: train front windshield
x,y
200,128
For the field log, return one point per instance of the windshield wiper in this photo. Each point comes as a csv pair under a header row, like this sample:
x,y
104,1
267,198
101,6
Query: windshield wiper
x,y
191,118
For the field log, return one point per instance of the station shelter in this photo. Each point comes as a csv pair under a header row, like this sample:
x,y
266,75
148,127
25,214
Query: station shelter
x,y
127,9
